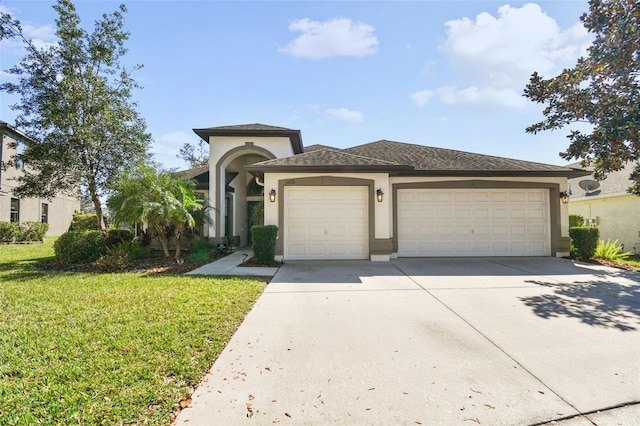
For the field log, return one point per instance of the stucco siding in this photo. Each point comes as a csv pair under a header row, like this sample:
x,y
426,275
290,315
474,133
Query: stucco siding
x,y
617,218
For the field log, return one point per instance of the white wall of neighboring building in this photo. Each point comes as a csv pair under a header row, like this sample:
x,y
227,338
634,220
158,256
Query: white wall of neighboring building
x,y
60,208
617,218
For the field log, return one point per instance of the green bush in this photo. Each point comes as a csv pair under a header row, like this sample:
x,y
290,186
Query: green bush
x,y
200,251
8,231
264,243
610,251
79,247
584,240
82,221
32,231
113,261
23,232
576,220
118,236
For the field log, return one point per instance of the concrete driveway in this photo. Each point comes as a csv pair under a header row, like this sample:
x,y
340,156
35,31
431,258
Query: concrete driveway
x,y
432,341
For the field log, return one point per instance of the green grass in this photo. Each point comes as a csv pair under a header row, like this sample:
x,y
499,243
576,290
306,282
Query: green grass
x,y
80,348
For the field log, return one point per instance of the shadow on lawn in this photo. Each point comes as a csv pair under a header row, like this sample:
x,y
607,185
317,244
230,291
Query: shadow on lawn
x,y
598,303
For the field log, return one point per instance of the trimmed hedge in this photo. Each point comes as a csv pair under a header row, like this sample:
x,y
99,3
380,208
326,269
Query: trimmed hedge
x,y
263,239
584,240
576,220
23,232
80,246
82,221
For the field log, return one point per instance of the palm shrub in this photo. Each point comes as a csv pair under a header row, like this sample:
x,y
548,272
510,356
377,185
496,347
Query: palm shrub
x,y
610,251
584,240
263,239
79,247
163,200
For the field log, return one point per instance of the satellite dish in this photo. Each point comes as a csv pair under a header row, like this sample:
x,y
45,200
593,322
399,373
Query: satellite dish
x,y
589,185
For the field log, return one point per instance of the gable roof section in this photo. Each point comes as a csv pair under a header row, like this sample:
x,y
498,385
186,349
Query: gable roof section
x,y
615,184
326,159
319,146
408,159
255,129
432,160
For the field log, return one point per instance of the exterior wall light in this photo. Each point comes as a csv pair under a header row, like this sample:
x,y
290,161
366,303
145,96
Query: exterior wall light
x,y
379,195
564,197
272,195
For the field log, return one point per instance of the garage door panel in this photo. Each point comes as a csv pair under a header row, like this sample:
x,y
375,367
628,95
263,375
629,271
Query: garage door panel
x,y
474,222
326,223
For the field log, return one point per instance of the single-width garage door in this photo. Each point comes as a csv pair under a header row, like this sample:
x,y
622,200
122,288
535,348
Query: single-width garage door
x,y
326,222
473,222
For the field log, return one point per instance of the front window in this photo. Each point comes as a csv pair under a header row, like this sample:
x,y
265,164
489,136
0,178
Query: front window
x,y
45,213
15,210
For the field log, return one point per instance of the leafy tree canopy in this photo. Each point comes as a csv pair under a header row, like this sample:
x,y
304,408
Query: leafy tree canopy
x,y
195,155
75,101
603,89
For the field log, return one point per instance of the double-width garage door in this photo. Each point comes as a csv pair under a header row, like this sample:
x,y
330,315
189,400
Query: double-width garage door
x,y
473,222
326,222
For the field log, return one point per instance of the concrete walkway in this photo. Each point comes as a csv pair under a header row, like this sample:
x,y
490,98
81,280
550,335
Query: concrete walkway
x,y
229,265
432,342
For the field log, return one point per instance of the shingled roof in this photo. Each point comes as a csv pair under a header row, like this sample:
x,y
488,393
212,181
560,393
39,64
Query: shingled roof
x,y
408,159
327,159
615,184
255,129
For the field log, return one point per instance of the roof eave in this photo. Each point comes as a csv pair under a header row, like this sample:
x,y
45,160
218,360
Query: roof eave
x,y
295,137
496,173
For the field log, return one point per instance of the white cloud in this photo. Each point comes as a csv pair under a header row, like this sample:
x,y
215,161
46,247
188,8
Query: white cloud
x,y
495,56
346,115
336,37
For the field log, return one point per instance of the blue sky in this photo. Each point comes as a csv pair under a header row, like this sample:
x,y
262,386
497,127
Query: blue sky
x,y
439,73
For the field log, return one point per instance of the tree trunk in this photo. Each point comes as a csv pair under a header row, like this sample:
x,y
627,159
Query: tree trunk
x,y
178,236
96,204
162,239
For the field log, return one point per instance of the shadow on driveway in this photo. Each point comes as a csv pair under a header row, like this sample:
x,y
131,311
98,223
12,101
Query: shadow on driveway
x,y
598,303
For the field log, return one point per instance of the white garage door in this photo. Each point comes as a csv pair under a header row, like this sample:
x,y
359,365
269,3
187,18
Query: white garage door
x,y
473,222
326,222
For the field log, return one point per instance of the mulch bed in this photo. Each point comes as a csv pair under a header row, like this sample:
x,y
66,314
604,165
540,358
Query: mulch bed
x,y
149,265
614,264
251,262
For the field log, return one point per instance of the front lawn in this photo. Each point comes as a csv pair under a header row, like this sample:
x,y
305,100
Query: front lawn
x,y
84,348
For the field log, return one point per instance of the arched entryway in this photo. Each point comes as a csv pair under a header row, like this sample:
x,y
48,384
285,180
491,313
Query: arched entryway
x,y
237,193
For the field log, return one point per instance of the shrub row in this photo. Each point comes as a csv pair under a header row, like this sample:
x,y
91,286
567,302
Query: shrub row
x,y
86,246
22,232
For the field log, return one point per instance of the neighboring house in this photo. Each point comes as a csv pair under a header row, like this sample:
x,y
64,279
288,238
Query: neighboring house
x,y
57,212
606,204
383,199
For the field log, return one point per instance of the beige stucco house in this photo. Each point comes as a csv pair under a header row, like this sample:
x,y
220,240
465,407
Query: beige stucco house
x,y
607,204
383,199
57,212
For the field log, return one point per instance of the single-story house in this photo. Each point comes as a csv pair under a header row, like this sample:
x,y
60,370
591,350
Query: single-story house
x,y
382,199
605,203
57,212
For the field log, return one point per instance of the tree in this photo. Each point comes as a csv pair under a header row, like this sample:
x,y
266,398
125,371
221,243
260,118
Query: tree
x,y
164,201
75,101
602,89
194,156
